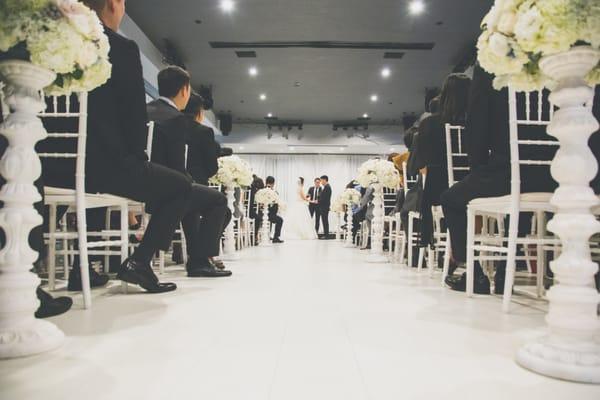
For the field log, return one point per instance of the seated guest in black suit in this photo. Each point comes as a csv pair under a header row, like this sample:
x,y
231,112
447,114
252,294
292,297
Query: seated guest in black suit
x,y
487,140
254,212
431,145
116,161
273,210
206,212
203,150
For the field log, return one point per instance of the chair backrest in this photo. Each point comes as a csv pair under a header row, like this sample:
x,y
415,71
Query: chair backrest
x,y
409,181
456,154
65,108
389,199
532,109
246,201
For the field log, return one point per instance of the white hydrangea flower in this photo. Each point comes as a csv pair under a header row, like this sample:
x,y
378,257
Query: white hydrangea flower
x,y
378,171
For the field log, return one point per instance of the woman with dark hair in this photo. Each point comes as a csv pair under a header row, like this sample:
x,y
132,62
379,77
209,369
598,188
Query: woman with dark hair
x,y
431,159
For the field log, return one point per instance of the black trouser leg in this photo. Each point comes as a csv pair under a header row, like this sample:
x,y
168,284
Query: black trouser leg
x,y
278,221
455,200
317,220
203,234
325,218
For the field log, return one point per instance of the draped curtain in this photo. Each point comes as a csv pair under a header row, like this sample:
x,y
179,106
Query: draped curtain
x,y
286,169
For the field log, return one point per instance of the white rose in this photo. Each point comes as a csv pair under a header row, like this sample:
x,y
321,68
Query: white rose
x,y
528,24
507,22
499,45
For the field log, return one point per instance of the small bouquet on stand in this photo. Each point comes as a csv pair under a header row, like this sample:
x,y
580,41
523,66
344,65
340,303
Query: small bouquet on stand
x,y
265,198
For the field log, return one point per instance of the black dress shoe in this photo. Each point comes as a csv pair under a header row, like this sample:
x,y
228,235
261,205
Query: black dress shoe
x,y
277,240
459,283
205,269
49,306
141,274
96,279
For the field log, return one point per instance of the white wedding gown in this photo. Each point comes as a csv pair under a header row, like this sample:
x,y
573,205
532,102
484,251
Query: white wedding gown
x,y
298,223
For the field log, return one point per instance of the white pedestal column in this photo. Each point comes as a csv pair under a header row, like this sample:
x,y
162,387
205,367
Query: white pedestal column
x,y
229,252
377,255
265,236
349,223
571,349
21,334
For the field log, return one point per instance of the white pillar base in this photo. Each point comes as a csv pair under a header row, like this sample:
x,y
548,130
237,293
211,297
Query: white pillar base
x,y
32,337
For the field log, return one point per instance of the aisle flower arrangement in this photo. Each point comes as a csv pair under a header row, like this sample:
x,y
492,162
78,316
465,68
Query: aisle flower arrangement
x,y
63,36
233,172
337,206
518,33
378,171
351,196
267,197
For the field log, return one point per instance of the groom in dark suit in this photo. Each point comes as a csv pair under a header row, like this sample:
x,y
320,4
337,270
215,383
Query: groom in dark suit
x,y
324,206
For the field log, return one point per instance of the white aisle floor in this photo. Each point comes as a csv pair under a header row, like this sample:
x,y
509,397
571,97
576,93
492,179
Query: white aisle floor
x,y
305,320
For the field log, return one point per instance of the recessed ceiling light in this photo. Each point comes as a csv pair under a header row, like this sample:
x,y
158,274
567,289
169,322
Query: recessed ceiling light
x,y
241,147
253,71
262,96
227,5
365,115
269,115
342,149
386,72
374,98
416,7
292,148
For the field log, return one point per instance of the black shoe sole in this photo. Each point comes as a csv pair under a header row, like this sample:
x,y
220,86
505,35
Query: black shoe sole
x,y
200,275
134,280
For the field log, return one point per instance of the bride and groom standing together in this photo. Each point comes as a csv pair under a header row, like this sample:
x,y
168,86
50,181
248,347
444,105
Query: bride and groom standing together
x,y
316,203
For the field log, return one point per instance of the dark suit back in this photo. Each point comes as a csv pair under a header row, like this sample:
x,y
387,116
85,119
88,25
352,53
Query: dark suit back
x,y
170,132
325,199
117,131
203,152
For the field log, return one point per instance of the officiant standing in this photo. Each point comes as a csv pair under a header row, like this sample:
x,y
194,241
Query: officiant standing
x,y
314,193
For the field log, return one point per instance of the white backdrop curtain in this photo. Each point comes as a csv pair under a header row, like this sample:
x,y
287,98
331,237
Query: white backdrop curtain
x,y
286,169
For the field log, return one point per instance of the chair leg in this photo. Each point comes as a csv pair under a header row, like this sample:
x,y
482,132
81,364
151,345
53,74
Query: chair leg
x,y
431,261
184,252
161,262
541,255
107,249
470,251
513,231
52,249
410,240
447,251
421,257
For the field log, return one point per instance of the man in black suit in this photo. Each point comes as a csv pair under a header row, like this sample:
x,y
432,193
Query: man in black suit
x,y
325,205
116,162
273,210
313,206
206,211
487,138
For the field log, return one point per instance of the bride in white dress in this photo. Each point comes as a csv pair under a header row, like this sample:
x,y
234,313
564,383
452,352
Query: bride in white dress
x,y
298,224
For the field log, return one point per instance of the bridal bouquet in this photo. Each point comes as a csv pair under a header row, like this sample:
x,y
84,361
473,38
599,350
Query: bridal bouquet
x,y
63,36
266,197
518,33
351,196
233,172
378,171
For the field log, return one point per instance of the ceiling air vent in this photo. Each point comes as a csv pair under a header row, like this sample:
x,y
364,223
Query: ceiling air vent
x,y
393,55
246,54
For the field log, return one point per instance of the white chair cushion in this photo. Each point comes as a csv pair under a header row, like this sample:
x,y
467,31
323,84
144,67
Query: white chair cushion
x,y
501,205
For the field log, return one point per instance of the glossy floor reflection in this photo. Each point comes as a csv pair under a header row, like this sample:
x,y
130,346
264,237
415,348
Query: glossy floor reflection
x,y
305,320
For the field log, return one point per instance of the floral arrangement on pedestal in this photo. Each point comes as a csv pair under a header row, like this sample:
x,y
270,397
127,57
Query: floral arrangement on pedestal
x,y
337,206
351,196
266,197
517,34
378,171
63,36
233,172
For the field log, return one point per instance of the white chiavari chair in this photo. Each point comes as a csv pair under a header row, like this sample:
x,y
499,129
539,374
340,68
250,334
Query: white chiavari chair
x,y
413,237
537,114
63,107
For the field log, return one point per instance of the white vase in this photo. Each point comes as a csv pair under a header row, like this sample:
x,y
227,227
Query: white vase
x,y
21,334
229,252
377,255
349,223
571,349
265,236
